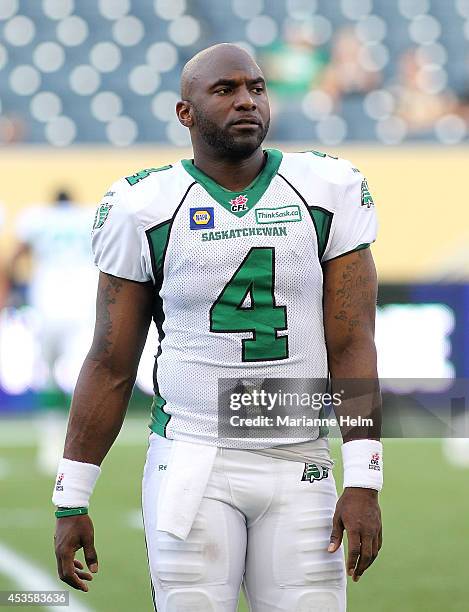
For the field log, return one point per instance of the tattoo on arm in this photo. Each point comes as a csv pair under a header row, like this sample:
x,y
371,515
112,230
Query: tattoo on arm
x,y
353,292
106,297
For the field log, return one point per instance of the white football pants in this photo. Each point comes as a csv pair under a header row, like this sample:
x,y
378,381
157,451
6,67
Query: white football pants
x,y
258,524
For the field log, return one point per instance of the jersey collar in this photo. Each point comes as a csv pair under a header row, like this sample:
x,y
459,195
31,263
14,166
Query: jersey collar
x,y
247,198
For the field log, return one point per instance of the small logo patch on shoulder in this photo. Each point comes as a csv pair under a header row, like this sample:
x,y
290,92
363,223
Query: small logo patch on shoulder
x,y
202,218
367,200
101,215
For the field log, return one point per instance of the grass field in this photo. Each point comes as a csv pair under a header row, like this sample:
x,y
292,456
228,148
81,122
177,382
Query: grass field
x,y
423,564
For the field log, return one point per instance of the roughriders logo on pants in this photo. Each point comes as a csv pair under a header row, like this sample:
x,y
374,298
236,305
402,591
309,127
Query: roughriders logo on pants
x,y
314,472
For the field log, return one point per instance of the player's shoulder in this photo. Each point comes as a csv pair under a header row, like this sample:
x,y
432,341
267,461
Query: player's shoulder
x,y
147,194
148,184
325,167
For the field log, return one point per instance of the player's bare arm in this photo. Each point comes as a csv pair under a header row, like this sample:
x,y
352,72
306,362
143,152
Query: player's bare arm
x,y
350,290
123,315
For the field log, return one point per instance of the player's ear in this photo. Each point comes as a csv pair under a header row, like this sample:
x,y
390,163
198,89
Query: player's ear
x,y
184,113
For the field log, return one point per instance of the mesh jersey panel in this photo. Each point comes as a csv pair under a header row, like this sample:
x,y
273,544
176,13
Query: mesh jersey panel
x,y
195,273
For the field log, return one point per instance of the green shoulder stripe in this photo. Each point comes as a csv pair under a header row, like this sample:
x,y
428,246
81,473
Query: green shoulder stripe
x,y
142,174
319,154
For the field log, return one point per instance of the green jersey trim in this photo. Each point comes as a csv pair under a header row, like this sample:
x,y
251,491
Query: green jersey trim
x,y
158,238
321,218
142,174
319,154
241,202
159,418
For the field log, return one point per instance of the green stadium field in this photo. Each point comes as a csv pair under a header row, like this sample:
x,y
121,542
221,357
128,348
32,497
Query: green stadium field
x,y
422,566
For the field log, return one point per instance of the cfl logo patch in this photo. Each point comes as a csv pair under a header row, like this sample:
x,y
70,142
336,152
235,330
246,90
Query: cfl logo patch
x,y
239,203
201,218
374,462
59,486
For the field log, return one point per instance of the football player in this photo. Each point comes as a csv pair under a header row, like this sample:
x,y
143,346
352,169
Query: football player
x,y
255,265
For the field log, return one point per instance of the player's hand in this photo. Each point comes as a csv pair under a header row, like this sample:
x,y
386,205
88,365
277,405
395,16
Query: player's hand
x,y
358,512
71,534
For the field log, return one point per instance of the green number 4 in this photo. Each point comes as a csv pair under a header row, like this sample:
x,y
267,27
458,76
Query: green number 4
x,y
254,279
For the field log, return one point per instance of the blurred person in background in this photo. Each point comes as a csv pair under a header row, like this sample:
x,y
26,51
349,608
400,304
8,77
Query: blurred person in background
x,y
417,102
294,63
463,107
463,97
3,283
13,128
351,69
54,241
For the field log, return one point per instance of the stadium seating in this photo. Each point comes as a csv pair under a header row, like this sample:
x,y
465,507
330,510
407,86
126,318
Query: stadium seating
x,y
108,71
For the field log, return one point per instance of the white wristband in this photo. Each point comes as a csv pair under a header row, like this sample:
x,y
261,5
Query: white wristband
x,y
363,464
75,483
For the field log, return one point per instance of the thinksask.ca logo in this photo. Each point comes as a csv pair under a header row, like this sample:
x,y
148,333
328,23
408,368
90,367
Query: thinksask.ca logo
x,y
278,215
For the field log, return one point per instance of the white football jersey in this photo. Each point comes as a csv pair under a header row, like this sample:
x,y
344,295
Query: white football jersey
x,y
238,276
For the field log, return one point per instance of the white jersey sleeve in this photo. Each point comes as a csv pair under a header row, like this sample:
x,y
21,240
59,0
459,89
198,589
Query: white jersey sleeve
x,y
117,240
354,224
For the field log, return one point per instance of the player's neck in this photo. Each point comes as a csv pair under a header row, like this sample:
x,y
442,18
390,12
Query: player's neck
x,y
232,174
